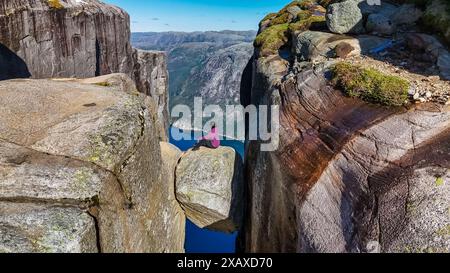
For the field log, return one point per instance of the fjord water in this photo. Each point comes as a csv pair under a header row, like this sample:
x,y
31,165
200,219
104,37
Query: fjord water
x,y
202,240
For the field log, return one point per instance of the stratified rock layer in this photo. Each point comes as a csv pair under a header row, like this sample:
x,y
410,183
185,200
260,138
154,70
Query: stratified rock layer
x,y
209,187
81,169
348,176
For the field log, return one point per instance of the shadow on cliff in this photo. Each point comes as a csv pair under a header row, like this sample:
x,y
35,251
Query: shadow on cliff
x,y
11,65
245,99
237,201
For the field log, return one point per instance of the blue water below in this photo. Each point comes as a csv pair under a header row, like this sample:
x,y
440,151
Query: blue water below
x,y
202,240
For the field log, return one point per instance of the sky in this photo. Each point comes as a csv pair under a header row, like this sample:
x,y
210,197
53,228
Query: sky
x,y
197,15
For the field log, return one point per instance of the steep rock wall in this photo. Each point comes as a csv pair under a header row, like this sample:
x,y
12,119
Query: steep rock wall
x,y
348,176
76,39
82,169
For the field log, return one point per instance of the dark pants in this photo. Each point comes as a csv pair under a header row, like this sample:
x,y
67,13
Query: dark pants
x,y
204,143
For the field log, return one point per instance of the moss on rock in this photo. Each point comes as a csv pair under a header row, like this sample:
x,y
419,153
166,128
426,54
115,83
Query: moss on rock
x,y
272,39
307,22
370,84
283,24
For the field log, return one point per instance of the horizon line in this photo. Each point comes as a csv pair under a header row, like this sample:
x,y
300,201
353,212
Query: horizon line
x,y
180,31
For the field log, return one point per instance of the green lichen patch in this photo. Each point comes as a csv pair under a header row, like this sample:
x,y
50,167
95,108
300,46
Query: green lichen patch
x,y
55,4
370,84
82,179
445,231
439,181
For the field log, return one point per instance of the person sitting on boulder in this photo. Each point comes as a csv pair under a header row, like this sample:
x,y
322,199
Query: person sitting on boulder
x,y
211,140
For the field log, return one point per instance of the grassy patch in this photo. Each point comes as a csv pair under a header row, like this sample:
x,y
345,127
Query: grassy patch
x,y
272,39
306,23
55,4
283,24
370,84
280,19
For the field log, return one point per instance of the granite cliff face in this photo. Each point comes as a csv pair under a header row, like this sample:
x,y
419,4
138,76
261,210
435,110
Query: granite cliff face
x,y
82,169
76,39
350,175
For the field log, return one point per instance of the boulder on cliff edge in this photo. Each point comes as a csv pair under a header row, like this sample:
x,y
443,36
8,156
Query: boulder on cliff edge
x,y
209,186
345,17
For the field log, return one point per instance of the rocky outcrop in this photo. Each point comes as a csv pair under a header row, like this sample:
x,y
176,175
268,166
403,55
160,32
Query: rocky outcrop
x,y
345,17
349,176
76,39
151,77
209,187
81,169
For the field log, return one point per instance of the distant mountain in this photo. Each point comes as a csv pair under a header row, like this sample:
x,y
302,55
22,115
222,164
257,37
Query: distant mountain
x,y
207,64
168,40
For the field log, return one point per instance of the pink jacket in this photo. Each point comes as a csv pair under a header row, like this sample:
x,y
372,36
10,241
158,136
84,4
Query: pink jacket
x,y
214,137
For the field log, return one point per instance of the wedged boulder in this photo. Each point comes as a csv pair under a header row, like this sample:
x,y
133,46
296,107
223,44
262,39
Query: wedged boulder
x,y
209,187
90,147
151,77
